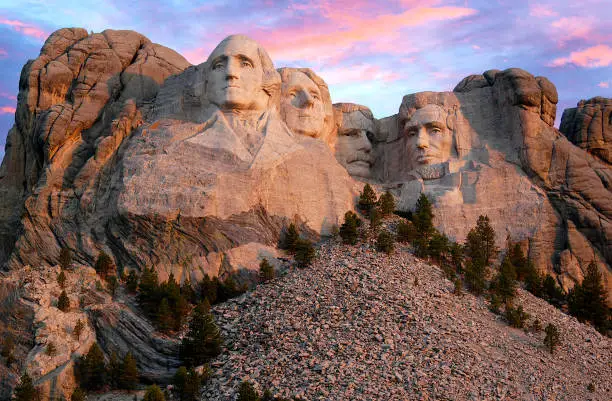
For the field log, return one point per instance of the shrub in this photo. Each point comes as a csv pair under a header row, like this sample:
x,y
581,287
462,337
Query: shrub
x,y
104,264
552,292
129,373
304,253
247,392
63,302
61,279
552,338
113,284
406,231
154,393
367,199
516,317
65,258
591,387
51,349
78,395
203,340
25,390
291,238
386,203
536,326
228,289
348,230
438,246
266,270
384,242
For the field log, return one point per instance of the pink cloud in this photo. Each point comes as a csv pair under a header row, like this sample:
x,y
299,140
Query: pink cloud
x,y
3,52
357,73
7,110
593,57
573,28
350,30
542,11
8,96
25,28
604,84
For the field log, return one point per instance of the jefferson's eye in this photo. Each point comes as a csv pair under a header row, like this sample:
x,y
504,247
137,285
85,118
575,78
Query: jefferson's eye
x,y
315,96
411,132
436,130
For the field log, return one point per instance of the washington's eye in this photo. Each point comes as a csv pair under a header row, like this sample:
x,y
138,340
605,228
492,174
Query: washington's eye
x,y
246,63
218,65
411,132
436,130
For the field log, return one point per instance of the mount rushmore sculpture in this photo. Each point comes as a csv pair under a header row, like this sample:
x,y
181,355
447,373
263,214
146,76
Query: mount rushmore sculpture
x,y
121,145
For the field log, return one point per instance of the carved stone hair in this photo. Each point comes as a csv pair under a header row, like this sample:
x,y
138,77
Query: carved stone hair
x,y
271,81
341,108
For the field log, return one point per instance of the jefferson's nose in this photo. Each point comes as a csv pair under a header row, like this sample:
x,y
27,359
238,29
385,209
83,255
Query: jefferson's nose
x,y
422,138
307,100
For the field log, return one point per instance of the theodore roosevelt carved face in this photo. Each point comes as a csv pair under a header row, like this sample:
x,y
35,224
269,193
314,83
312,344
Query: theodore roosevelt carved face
x,y
353,143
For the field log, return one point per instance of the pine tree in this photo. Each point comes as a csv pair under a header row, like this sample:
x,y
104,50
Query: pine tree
x,y
61,279
438,246
266,270
375,219
208,289
78,329
91,371
65,258
63,302
203,340
247,392
386,204
423,217
78,395
480,243
552,339
505,284
51,349
367,199
304,253
187,384
148,290
588,299
25,390
552,292
516,317
384,242
456,255
519,261
475,276
132,281
129,377
348,230
164,316
406,231
113,284
115,370
7,350
154,393
291,238
104,264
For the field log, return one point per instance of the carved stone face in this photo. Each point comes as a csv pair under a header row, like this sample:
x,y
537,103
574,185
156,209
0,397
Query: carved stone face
x,y
429,141
235,74
302,105
353,144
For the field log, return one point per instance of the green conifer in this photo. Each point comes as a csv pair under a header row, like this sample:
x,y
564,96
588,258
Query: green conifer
x,y
291,238
304,253
154,393
25,390
203,340
63,302
386,204
104,264
65,258
348,230
367,199
385,242
266,270
61,279
552,339
129,377
247,392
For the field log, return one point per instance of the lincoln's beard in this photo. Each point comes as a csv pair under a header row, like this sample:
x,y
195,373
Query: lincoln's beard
x,y
433,171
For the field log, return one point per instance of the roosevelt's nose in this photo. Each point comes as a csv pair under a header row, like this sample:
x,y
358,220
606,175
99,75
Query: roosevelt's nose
x,y
422,140
364,144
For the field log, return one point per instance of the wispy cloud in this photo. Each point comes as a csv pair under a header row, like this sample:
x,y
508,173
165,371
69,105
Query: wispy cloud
x,y
3,52
542,11
569,28
603,84
357,73
7,110
592,57
24,28
8,96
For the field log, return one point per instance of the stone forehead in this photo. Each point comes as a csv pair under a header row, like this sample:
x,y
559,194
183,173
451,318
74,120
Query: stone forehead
x,y
298,77
235,44
428,113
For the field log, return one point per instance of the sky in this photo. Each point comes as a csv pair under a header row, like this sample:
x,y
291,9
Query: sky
x,y
371,53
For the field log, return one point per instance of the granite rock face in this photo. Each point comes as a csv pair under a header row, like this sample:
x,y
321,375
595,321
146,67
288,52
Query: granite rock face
x,y
589,126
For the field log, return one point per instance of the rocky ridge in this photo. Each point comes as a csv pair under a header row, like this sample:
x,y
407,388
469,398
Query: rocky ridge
x,y
356,325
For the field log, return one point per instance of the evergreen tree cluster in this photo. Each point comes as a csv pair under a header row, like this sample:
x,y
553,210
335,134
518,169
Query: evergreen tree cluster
x,y
163,303
93,374
302,249
349,229
247,392
186,384
203,340
587,301
25,390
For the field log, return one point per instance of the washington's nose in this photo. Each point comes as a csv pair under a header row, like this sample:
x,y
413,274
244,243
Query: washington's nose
x,y
422,138
231,71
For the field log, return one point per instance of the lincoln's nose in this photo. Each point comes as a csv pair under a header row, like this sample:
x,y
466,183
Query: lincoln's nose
x,y
422,138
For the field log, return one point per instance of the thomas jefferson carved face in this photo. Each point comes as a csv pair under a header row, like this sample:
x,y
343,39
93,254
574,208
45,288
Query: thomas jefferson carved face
x,y
302,105
353,144
235,75
429,141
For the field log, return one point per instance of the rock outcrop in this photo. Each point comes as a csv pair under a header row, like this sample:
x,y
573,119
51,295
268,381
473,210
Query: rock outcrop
x,y
589,126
